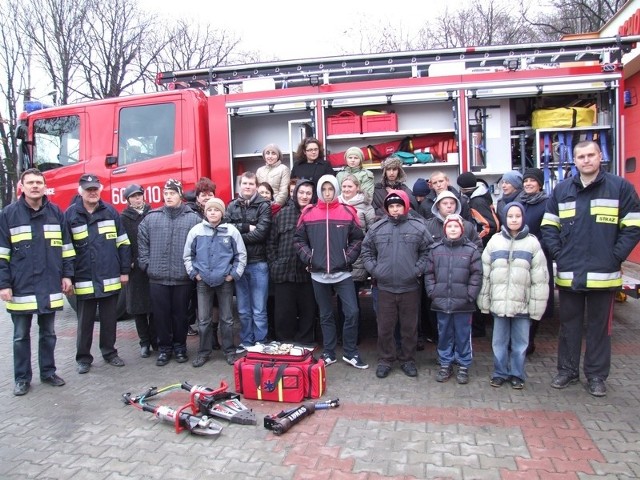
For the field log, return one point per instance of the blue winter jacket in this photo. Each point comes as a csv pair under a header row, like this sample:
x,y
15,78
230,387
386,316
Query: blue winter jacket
x,y
214,253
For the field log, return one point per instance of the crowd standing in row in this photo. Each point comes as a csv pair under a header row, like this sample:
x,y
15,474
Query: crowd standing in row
x,y
441,262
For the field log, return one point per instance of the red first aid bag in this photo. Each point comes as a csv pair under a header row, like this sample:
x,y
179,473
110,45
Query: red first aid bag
x,y
279,378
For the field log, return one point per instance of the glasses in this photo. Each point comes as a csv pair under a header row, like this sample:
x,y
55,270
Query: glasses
x,y
312,150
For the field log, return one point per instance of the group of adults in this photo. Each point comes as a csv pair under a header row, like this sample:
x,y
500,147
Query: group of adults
x,y
300,232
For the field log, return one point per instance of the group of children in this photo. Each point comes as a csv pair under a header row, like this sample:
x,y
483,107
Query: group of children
x,y
509,279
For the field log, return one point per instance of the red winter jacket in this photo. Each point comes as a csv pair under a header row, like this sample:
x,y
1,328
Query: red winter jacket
x,y
328,237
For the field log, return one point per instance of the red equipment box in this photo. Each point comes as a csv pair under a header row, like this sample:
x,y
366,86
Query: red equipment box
x,y
344,123
384,122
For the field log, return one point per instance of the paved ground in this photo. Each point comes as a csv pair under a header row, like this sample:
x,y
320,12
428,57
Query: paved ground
x,y
392,428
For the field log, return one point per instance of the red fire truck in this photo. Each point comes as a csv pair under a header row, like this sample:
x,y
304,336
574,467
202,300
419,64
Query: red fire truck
x,y
485,109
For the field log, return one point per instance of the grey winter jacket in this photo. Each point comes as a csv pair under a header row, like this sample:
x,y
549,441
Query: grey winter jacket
x,y
435,223
161,238
454,275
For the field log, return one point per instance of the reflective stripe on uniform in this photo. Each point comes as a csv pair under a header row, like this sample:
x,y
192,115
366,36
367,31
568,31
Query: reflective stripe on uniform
x,y
80,232
551,220
56,300
106,226
564,279
83,288
567,209
604,206
122,240
52,231
111,284
68,251
604,280
20,234
21,304
5,254
631,219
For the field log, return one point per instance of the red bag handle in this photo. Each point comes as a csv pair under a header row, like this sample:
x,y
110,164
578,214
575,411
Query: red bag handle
x,y
346,113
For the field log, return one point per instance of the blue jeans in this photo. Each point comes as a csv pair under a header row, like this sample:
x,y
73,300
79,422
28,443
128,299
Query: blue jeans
x,y
514,332
252,291
206,296
22,345
347,294
454,330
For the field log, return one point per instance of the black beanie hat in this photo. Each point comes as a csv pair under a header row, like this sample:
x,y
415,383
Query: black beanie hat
x,y
536,174
391,199
467,180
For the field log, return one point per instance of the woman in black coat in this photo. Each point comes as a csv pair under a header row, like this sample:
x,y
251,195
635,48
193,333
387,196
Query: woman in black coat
x,y
138,298
534,199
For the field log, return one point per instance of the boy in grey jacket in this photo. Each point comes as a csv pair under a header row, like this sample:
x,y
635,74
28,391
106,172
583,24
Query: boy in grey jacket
x,y
394,252
215,257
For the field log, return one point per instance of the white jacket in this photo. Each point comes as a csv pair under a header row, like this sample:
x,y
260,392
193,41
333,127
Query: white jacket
x,y
278,176
515,280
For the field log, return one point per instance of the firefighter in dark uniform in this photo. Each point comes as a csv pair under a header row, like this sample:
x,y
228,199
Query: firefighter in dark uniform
x,y
591,225
102,265
36,266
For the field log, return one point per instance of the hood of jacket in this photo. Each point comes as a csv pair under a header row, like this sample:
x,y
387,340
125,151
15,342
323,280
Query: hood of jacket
x,y
441,195
333,181
294,197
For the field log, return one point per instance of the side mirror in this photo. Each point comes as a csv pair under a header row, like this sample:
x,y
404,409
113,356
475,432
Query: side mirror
x,y
111,161
21,132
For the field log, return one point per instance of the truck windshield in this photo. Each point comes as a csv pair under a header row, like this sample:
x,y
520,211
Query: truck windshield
x,y
56,142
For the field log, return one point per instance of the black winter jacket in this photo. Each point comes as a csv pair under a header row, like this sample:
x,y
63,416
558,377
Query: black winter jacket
x,y
394,252
284,263
591,230
103,250
454,275
35,254
138,297
242,214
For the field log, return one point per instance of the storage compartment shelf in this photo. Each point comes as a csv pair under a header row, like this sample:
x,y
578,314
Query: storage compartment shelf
x,y
376,166
399,133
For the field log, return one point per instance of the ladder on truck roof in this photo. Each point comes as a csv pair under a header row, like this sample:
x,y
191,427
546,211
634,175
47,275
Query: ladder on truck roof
x,y
607,51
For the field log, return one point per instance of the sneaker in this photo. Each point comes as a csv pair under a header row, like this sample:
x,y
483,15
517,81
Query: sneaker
x,y
191,331
517,383
497,381
163,359
21,388
596,387
199,361
54,380
463,376
116,361
231,359
409,369
83,367
444,373
328,359
242,348
383,371
355,361
563,380
182,357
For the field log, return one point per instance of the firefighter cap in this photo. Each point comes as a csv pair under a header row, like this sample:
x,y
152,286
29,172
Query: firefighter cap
x,y
89,180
